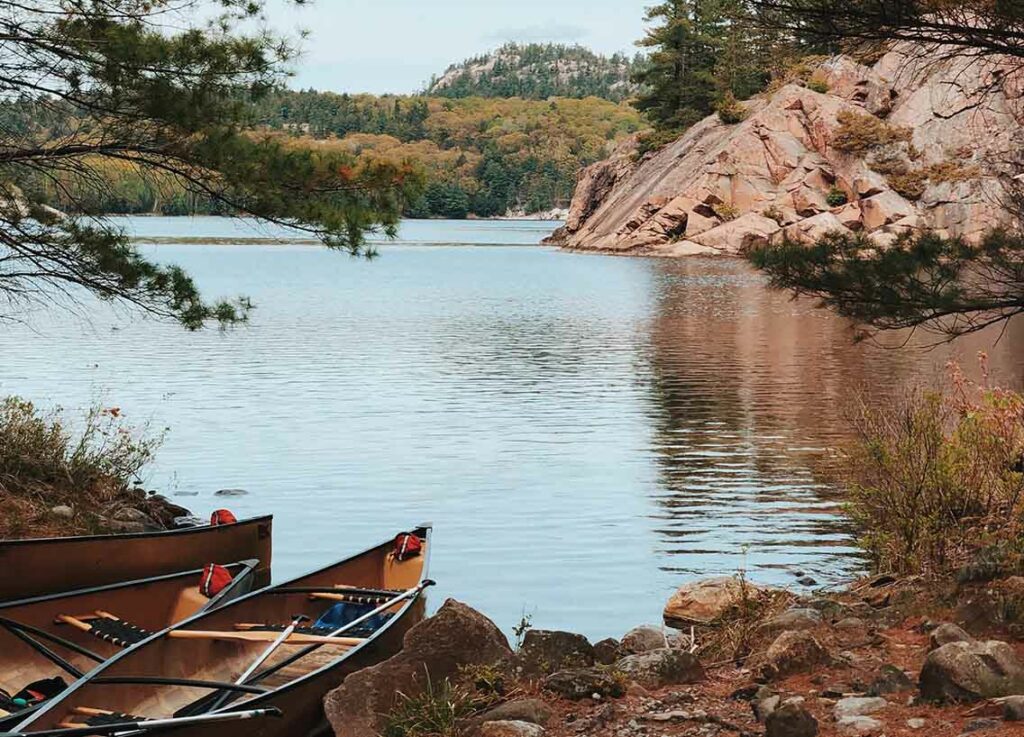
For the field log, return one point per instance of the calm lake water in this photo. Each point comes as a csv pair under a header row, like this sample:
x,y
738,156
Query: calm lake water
x,y
586,432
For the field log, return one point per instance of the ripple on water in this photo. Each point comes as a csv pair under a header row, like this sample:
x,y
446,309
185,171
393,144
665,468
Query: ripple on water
x,y
586,432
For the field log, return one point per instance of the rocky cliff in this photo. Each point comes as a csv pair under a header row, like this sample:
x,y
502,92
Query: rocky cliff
x,y
910,142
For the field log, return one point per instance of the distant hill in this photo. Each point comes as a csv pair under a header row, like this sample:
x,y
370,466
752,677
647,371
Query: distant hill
x,y
537,72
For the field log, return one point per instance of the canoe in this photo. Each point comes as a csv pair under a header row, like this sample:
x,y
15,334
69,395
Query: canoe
x,y
227,661
50,565
38,643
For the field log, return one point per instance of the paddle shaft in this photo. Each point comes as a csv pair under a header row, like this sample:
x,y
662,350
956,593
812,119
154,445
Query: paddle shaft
x,y
147,725
293,639
383,607
270,650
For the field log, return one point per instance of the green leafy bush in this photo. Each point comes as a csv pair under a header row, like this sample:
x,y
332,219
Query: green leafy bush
x,y
836,197
936,476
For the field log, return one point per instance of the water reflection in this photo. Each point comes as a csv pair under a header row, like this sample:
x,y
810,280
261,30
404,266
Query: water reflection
x,y
749,391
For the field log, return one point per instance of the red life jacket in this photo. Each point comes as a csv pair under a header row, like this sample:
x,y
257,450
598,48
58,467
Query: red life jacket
x,y
222,517
215,579
407,546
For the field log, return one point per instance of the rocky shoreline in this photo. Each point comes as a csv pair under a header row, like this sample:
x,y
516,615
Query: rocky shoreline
x,y
884,657
907,143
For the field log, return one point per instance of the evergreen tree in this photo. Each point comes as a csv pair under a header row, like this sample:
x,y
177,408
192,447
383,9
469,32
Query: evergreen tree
x,y
678,79
92,86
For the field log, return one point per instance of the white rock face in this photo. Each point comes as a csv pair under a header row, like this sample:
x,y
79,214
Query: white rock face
x,y
724,188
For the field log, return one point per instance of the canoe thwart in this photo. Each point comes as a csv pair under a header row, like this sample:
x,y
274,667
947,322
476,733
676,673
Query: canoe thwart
x,y
263,636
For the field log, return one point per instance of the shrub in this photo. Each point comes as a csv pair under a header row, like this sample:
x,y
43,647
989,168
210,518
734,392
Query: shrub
x,y
726,211
836,197
861,132
43,463
655,141
937,475
817,84
910,184
729,109
436,712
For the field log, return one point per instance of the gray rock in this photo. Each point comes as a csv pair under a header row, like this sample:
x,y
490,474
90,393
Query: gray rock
x,y
793,652
858,706
851,624
765,707
980,725
62,511
794,619
534,711
583,683
608,651
230,492
859,726
643,639
890,680
507,728
917,723
548,651
807,581
791,720
963,672
947,633
1013,709
659,668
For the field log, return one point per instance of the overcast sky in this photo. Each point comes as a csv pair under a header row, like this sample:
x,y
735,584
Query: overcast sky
x,y
395,45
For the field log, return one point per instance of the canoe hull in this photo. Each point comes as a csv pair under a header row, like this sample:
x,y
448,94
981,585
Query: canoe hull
x,y
296,678
31,568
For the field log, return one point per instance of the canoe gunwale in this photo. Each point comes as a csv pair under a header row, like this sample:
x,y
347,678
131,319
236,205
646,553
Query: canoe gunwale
x,y
183,531
249,568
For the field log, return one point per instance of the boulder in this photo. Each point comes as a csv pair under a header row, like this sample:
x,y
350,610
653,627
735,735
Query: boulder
x,y
963,672
607,651
583,683
884,208
533,711
660,668
794,619
793,652
435,648
547,651
1013,709
858,706
705,600
505,728
946,633
644,639
791,720
890,679
811,229
740,235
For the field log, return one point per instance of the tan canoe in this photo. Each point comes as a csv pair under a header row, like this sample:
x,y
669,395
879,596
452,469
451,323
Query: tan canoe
x,y
38,641
46,566
194,668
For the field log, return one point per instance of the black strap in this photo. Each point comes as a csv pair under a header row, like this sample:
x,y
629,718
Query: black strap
x,y
118,632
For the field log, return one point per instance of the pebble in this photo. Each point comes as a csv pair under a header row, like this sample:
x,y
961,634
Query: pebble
x,y
979,725
63,511
917,723
1013,709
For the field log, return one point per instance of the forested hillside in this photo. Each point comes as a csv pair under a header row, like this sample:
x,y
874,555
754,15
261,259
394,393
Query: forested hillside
x,y
540,71
481,157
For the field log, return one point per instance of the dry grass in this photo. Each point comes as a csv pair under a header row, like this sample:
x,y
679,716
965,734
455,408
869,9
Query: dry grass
x,y
45,463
